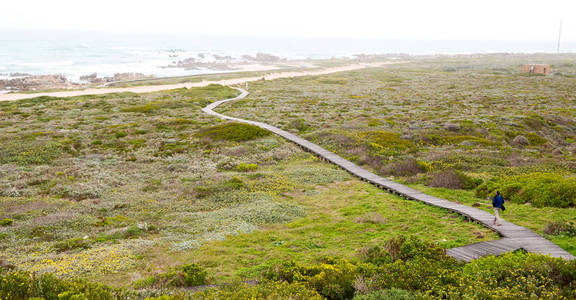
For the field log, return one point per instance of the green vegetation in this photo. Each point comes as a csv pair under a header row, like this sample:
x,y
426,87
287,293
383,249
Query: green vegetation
x,y
539,189
238,132
151,197
186,276
400,268
6,222
567,228
529,216
28,153
446,123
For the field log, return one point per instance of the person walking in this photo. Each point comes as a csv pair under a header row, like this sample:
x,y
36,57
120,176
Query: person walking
x,y
498,204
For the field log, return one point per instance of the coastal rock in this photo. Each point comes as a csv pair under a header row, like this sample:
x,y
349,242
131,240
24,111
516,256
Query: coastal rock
x,y
468,143
520,141
452,127
94,79
38,82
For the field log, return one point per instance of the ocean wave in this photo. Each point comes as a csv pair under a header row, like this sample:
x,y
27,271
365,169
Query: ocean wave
x,y
46,64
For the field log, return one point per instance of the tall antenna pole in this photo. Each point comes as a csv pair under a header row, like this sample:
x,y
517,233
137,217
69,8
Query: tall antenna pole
x,y
559,36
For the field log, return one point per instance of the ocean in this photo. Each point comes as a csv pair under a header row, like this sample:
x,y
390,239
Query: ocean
x,y
74,54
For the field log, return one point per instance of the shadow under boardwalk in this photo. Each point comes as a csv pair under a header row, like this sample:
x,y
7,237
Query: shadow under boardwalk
x,y
515,237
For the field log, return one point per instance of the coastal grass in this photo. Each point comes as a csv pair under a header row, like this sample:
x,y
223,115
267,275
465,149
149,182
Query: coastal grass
x,y
131,189
116,188
452,122
341,218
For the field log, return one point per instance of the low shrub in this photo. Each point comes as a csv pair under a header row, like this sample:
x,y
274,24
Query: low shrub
x,y
70,244
6,222
237,132
244,167
144,108
384,142
270,290
408,167
410,264
567,228
454,179
520,276
299,124
232,184
133,231
24,285
438,139
121,134
193,275
391,294
332,279
186,276
167,149
29,153
539,189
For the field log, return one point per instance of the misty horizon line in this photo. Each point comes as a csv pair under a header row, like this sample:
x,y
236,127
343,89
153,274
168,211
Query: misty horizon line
x,y
256,35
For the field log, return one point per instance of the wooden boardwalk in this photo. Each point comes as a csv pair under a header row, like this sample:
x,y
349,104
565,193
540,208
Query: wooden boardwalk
x,y
514,237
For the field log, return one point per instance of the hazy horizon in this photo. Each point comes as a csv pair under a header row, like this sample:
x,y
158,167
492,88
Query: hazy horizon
x,y
412,19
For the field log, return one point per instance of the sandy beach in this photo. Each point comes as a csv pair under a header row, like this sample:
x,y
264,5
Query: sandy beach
x,y
156,88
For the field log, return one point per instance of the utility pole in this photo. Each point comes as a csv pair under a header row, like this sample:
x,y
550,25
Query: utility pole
x,y
559,36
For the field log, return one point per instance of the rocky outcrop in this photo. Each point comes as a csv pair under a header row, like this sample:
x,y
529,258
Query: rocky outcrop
x,y
38,82
195,64
224,63
520,141
263,58
93,78
452,127
26,82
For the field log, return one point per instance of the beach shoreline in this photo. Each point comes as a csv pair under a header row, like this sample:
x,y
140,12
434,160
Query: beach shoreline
x,y
157,88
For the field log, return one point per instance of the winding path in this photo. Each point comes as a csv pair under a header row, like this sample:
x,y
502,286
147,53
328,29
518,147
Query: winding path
x,y
514,237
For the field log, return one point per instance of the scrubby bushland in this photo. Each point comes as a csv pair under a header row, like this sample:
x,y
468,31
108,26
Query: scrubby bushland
x,y
237,132
29,152
391,294
412,269
185,276
333,278
269,290
402,268
24,285
538,189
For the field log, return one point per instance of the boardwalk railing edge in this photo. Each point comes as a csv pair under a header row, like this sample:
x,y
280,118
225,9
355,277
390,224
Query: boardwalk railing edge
x,y
514,237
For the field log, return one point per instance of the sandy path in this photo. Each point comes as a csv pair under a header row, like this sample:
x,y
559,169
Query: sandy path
x,y
156,88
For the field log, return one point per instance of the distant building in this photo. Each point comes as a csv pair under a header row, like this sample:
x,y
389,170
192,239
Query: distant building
x,y
536,69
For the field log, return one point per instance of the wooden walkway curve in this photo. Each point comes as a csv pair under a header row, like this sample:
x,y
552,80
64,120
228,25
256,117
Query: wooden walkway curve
x,y
514,237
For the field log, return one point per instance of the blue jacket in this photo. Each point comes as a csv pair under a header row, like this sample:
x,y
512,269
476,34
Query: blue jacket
x,y
498,201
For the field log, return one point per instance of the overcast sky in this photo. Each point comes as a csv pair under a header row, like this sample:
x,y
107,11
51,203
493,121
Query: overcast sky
x,y
407,19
